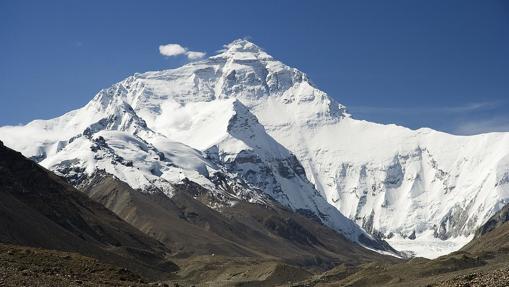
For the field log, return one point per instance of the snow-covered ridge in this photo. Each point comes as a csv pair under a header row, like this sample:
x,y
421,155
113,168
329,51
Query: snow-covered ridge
x,y
152,133
244,113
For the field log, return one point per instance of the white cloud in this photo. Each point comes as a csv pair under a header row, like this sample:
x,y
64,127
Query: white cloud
x,y
172,50
194,55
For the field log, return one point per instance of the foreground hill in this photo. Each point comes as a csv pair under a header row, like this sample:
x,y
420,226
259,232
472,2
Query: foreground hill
x,y
28,266
39,209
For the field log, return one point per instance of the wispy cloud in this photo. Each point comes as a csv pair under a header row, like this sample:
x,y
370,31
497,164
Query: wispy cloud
x,y
470,107
472,127
172,50
466,119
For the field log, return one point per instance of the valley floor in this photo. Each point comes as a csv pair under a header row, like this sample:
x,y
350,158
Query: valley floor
x,y
26,266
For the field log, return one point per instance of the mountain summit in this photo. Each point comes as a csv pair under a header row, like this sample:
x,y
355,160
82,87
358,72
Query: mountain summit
x,y
243,49
267,131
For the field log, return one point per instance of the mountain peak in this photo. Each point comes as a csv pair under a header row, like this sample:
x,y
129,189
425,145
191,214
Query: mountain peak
x,y
243,49
242,44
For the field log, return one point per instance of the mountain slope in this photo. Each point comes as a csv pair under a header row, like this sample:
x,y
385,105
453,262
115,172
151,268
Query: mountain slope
x,y
484,261
434,187
39,209
191,228
413,188
109,135
493,236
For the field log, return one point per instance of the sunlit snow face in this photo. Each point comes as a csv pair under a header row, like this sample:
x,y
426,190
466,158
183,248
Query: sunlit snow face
x,y
173,117
199,124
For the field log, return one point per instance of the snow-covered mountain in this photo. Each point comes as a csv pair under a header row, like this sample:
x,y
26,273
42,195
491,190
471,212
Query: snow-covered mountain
x,y
264,126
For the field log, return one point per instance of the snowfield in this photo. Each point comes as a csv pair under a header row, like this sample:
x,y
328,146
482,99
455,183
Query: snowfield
x,y
262,123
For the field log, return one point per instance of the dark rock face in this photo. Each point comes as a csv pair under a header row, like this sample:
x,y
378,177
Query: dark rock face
x,y
454,221
39,158
412,236
493,236
72,172
500,218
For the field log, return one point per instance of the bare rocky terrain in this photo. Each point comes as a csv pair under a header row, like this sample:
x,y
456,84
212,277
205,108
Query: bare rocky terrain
x,y
186,225
27,266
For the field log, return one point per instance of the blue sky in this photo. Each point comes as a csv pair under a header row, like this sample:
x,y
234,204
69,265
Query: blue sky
x,y
439,64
